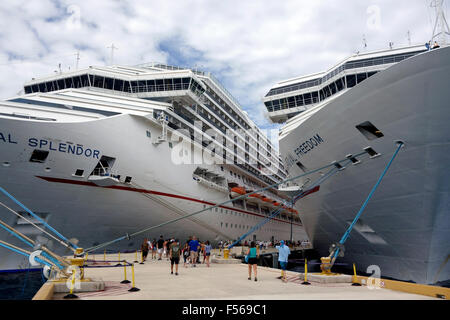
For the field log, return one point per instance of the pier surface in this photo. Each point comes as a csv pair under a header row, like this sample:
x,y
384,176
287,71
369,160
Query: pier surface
x,y
221,281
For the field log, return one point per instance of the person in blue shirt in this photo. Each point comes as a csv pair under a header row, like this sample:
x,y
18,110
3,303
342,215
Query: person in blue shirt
x,y
283,254
194,245
253,255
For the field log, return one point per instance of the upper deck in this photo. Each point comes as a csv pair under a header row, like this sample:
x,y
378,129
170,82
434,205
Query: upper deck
x,y
200,104
291,97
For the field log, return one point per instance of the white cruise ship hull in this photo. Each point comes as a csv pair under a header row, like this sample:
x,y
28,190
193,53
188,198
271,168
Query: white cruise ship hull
x,y
405,229
95,212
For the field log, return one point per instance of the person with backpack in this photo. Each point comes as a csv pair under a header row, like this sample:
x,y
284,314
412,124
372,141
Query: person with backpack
x,y
174,254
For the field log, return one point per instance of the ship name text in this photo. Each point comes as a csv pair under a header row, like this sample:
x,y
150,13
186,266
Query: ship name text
x,y
64,147
7,138
308,145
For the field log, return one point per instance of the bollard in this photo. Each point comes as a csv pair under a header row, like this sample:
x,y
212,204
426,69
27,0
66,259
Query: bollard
x,y
71,295
305,282
125,274
135,258
355,282
133,289
142,258
226,253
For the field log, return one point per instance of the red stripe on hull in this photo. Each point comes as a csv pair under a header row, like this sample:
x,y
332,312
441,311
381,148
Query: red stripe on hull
x,y
163,194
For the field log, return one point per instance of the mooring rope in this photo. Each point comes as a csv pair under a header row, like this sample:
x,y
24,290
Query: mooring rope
x,y
298,196
40,220
361,210
221,204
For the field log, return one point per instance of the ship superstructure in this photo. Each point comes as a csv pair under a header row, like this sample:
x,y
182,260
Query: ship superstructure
x,y
105,151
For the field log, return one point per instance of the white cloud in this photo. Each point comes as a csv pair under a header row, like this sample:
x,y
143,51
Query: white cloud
x,y
249,45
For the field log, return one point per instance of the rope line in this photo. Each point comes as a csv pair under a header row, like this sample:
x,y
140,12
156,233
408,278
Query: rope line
x,y
68,243
298,196
361,210
221,204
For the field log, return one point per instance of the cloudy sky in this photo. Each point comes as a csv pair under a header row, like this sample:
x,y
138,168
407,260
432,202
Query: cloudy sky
x,y
248,45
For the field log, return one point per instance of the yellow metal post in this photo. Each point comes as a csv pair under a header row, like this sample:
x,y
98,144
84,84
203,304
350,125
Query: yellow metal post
x,y
355,282
133,282
72,285
305,282
136,258
125,274
104,255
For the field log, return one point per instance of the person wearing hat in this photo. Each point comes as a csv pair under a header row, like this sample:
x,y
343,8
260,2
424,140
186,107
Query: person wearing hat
x,y
283,254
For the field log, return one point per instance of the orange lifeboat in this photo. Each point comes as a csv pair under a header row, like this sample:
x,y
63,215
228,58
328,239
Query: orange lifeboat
x,y
267,201
255,198
237,191
276,204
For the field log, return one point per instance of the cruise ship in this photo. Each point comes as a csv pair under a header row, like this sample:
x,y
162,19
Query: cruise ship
x,y
364,106
104,152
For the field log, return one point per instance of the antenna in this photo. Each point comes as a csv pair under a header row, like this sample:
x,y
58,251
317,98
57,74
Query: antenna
x,y
364,41
409,37
78,59
391,45
113,47
441,29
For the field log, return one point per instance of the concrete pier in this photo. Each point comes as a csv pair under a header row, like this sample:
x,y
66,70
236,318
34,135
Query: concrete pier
x,y
221,281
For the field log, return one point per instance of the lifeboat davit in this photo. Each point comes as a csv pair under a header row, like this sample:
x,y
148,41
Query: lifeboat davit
x,y
237,191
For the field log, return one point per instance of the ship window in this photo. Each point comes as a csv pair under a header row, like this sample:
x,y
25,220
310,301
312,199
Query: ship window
x,y
28,89
42,87
61,84
109,83
98,81
76,82
79,172
351,81
361,77
369,130
118,85
39,156
126,86
68,82
159,85
149,134
128,179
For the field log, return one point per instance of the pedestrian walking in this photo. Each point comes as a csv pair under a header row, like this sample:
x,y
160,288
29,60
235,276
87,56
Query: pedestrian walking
x,y
283,254
207,249
144,249
160,245
174,254
186,253
253,255
194,246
